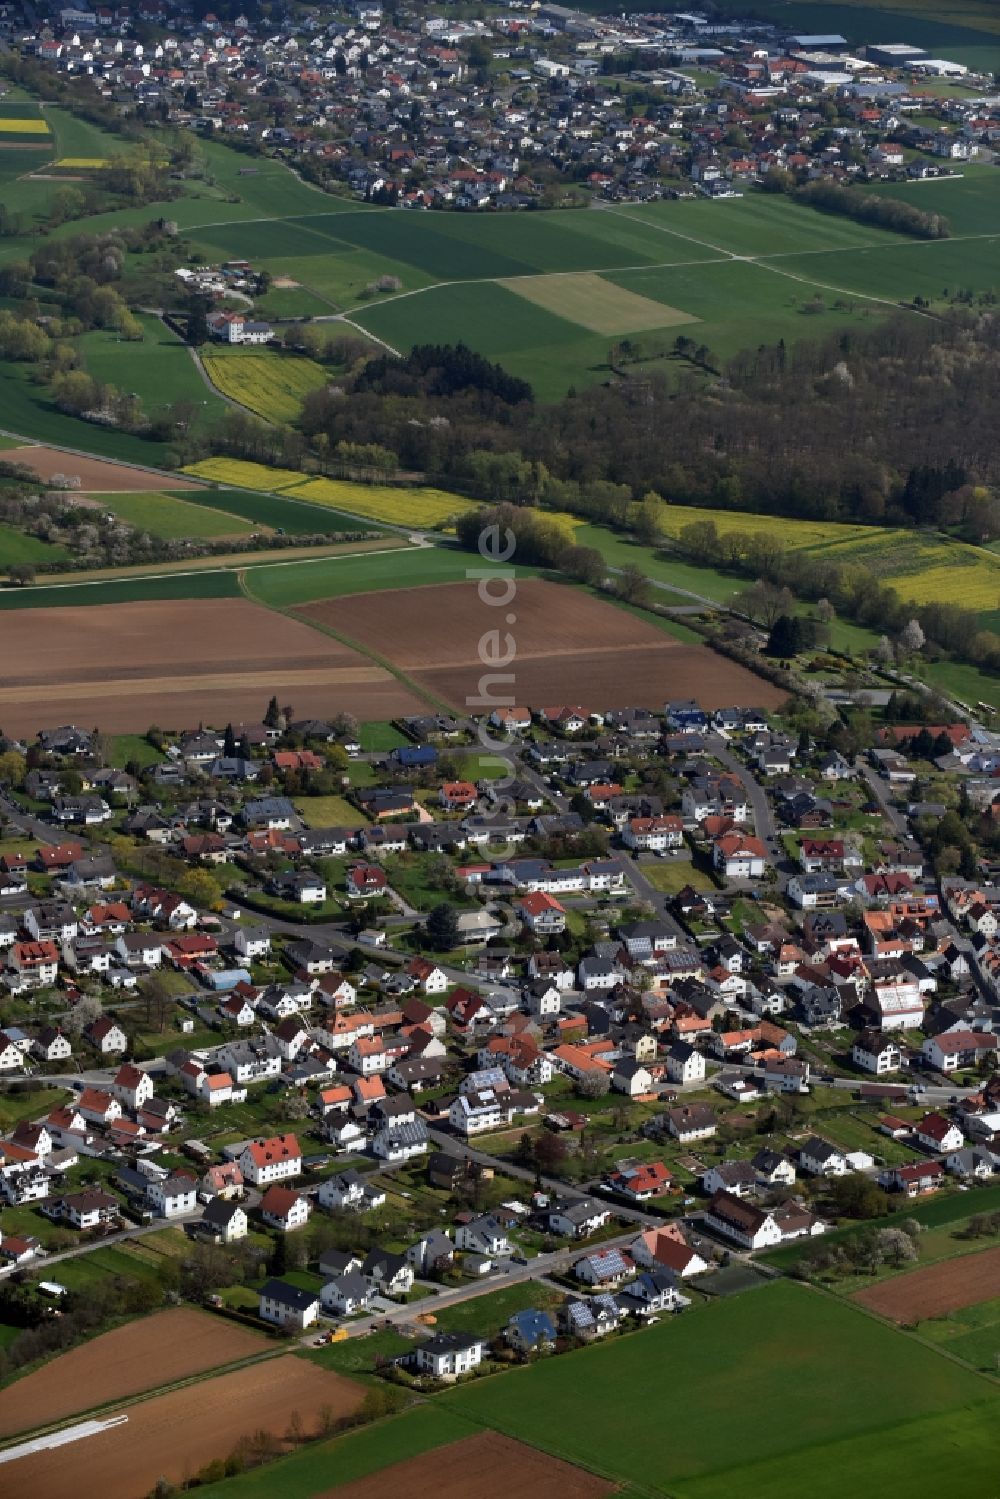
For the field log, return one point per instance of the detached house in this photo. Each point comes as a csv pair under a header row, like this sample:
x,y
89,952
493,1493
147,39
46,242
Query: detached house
x,y
288,1306
265,1161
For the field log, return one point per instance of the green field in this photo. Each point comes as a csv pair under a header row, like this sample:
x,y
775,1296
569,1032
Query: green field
x,y
335,577
16,547
747,1390
280,513
776,1392
964,30
195,585
159,370
171,517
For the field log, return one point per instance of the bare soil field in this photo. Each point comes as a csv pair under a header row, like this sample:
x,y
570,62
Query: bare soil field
x,y
178,663
936,1290
173,1436
140,1356
95,474
489,1465
570,648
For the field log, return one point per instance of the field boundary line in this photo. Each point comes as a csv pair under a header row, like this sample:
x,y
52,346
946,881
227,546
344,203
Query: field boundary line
x,y
906,1332
292,611
126,1402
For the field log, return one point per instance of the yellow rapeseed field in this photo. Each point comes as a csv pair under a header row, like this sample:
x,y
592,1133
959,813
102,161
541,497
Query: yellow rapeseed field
x,y
23,127
82,163
419,507
271,385
921,567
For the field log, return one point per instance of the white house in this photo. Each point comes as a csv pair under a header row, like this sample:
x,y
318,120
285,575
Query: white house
x,y
685,1064
287,1306
265,1161
174,1196
875,1052
449,1354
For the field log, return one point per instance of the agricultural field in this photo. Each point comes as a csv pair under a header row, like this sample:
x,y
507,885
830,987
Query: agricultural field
x,y
570,647
924,567
159,369
214,1414
168,516
16,546
140,1356
936,1290
966,30
419,506
342,577
275,513
90,475
861,1402
273,386
209,584
130,665
504,1469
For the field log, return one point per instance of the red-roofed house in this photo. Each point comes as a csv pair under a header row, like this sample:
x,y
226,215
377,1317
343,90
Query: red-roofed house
x,y
284,1208
265,1161
739,857
542,913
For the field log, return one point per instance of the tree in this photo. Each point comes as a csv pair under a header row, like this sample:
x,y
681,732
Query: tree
x,y
198,887
442,927
856,1196
273,713
912,638
157,1001
785,638
884,653
549,1151
594,1085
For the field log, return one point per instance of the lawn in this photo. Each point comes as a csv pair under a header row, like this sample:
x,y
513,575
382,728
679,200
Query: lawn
x,y
376,735
651,1408
272,385
327,812
671,875
18,1105
172,518
126,748
487,1316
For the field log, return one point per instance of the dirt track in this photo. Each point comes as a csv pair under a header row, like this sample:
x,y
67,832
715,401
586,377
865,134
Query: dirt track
x,y
178,663
95,475
570,648
936,1290
139,1356
488,1466
173,1436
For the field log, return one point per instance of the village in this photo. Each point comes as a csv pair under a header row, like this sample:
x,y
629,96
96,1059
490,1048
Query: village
x,y
722,988
530,105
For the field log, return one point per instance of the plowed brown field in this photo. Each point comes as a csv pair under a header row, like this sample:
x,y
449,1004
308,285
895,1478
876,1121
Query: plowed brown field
x,y
179,663
936,1290
94,474
570,648
173,1436
139,1356
489,1466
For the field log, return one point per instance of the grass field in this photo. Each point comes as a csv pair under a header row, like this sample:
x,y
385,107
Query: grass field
x,y
966,30
16,547
270,384
171,517
418,506
844,1385
196,585
336,577
596,303
327,812
278,512
159,369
